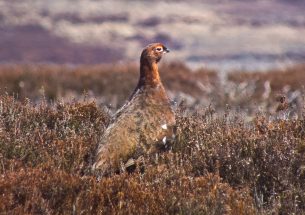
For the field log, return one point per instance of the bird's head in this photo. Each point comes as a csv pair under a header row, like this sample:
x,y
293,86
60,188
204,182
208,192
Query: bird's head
x,y
154,52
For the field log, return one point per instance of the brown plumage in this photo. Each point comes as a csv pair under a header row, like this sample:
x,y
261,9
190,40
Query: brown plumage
x,y
283,104
143,123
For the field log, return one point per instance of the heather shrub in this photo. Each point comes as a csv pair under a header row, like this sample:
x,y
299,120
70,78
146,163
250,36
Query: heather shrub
x,y
263,89
49,191
61,136
222,161
265,156
292,77
46,155
109,84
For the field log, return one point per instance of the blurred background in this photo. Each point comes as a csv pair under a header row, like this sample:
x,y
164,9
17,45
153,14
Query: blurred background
x,y
235,76
222,34
247,54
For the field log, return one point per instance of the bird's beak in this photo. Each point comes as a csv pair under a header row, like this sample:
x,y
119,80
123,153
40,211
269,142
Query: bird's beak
x,y
165,50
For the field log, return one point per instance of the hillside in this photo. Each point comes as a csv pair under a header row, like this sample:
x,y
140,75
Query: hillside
x,y
222,34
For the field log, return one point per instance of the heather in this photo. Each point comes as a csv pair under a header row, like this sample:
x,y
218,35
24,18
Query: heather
x,y
234,152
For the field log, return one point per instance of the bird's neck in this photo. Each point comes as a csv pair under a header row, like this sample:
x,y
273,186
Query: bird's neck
x,y
149,78
149,74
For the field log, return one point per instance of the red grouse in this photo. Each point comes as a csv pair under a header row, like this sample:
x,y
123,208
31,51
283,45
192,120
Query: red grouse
x,y
143,123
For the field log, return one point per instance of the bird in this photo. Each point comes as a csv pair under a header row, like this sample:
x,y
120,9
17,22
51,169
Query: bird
x,y
143,125
283,104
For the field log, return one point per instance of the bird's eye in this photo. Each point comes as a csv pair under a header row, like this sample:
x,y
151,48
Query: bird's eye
x,y
159,49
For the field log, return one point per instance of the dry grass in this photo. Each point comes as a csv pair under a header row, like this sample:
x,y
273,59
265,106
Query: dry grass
x,y
219,163
292,78
56,82
243,91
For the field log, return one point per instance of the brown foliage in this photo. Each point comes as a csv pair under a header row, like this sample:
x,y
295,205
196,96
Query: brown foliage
x,y
59,136
112,84
47,191
220,163
217,165
265,156
293,78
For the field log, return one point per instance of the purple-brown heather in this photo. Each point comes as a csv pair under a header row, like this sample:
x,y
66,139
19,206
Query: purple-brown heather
x,y
143,123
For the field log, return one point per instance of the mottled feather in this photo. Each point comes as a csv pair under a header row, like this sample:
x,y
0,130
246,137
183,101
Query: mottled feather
x,y
138,127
